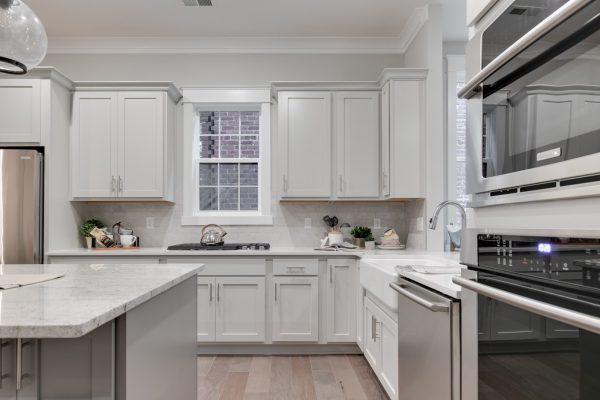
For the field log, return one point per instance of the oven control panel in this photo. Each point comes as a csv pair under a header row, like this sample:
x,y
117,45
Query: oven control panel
x,y
575,260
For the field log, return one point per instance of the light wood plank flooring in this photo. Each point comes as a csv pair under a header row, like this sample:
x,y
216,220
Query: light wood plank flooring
x,y
287,378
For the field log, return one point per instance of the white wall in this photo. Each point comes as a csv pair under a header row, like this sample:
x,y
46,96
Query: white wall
x,y
426,52
223,69
232,70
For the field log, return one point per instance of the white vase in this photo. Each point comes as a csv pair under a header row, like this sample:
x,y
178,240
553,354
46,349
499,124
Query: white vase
x,y
88,242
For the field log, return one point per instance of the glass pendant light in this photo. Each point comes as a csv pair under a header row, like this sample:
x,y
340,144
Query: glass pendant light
x,y
23,40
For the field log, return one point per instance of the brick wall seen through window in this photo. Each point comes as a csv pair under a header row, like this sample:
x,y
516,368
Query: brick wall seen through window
x,y
228,160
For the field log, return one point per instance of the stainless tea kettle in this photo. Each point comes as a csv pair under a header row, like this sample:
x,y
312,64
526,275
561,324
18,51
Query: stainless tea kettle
x,y
214,236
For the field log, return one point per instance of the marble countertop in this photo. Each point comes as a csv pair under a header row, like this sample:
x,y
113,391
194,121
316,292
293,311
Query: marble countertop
x,y
439,282
273,252
85,298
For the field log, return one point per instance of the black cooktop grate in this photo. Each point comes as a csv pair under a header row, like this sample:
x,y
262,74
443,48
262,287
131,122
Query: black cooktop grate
x,y
226,246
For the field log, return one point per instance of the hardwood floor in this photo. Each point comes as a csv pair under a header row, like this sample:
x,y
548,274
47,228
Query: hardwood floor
x,y
287,378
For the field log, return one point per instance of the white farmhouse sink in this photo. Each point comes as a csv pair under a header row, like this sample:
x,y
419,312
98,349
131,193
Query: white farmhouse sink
x,y
376,274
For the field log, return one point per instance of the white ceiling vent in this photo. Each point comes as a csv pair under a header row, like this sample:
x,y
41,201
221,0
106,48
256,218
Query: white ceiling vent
x,y
196,3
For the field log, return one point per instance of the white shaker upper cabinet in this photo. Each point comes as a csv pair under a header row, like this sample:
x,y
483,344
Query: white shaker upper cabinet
x,y
94,145
20,111
123,142
140,150
305,142
357,131
385,140
406,139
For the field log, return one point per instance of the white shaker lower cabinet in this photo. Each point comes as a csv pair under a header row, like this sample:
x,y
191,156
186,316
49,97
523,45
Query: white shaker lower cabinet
x,y
381,346
231,309
206,309
295,309
29,369
240,309
341,295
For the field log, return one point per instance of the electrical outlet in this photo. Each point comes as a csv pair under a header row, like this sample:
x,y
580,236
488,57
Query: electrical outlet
x,y
420,224
149,222
307,223
376,223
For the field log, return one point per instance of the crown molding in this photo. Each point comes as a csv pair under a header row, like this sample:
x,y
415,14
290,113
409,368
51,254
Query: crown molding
x,y
416,21
243,45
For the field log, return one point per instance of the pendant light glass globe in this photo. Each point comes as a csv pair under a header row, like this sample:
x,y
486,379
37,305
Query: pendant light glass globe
x,y
23,40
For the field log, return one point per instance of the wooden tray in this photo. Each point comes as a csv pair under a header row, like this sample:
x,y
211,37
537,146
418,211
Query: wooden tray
x,y
115,248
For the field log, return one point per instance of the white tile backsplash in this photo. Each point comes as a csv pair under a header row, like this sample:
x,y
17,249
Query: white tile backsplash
x,y
287,230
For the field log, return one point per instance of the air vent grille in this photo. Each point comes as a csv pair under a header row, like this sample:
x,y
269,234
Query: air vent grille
x,y
528,11
196,3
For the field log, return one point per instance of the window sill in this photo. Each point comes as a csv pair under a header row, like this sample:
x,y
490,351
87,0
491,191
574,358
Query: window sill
x,y
232,219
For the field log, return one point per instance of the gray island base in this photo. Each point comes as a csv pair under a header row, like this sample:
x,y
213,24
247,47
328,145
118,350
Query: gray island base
x,y
100,332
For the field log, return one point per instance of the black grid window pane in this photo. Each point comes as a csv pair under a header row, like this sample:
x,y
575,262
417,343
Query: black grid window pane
x,y
223,136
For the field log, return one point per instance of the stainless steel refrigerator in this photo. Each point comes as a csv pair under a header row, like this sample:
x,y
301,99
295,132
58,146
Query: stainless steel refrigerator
x,y
21,206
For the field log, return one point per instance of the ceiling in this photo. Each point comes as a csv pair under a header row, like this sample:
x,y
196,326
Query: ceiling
x,y
235,18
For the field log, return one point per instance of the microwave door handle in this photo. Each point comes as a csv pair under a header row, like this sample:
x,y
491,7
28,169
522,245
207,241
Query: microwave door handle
x,y
570,317
473,86
588,29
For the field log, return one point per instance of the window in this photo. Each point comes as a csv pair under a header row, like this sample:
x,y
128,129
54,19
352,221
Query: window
x,y
228,160
227,145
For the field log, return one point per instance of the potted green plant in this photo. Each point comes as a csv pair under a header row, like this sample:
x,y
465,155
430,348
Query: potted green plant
x,y
87,227
360,233
370,242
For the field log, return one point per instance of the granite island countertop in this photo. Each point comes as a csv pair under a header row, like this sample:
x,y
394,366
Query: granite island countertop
x,y
86,297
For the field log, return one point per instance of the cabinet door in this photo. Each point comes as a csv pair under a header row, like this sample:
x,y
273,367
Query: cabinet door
x,y
387,334
94,145
341,307
357,129
295,309
385,140
141,144
240,309
372,350
305,138
20,111
407,138
206,309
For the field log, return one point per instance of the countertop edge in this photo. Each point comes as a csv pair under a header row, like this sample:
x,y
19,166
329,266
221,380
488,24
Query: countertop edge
x,y
75,331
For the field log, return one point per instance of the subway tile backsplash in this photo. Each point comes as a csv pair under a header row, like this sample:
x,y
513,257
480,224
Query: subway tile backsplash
x,y
288,228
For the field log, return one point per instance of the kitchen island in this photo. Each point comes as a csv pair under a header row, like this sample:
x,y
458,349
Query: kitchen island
x,y
100,332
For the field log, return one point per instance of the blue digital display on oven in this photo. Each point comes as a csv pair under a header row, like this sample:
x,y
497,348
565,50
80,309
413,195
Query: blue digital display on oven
x,y
544,248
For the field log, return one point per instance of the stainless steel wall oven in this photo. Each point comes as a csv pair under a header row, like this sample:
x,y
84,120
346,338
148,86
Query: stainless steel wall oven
x,y
534,108
533,304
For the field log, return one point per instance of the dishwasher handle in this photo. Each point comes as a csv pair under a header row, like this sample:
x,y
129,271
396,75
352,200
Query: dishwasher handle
x,y
431,306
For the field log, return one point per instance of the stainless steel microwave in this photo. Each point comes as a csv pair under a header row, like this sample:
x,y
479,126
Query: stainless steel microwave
x,y
533,122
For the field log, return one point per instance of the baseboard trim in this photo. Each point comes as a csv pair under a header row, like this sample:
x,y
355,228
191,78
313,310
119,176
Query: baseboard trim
x,y
276,349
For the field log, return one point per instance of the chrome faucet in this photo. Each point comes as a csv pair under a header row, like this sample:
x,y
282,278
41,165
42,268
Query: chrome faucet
x,y
434,218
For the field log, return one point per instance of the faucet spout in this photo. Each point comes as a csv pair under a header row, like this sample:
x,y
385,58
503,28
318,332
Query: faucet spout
x,y
443,204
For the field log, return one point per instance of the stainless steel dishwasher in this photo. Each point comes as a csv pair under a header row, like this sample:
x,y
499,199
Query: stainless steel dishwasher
x,y
428,343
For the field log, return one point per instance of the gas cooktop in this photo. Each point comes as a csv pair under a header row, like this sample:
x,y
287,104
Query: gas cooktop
x,y
225,246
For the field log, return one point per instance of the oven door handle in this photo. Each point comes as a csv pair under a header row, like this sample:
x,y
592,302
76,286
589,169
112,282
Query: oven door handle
x,y
570,317
473,87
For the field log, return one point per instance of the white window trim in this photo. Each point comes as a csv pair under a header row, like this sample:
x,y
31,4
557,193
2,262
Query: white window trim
x,y
199,98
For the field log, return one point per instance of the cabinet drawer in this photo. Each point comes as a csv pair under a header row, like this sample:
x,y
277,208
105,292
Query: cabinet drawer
x,y
296,266
223,267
